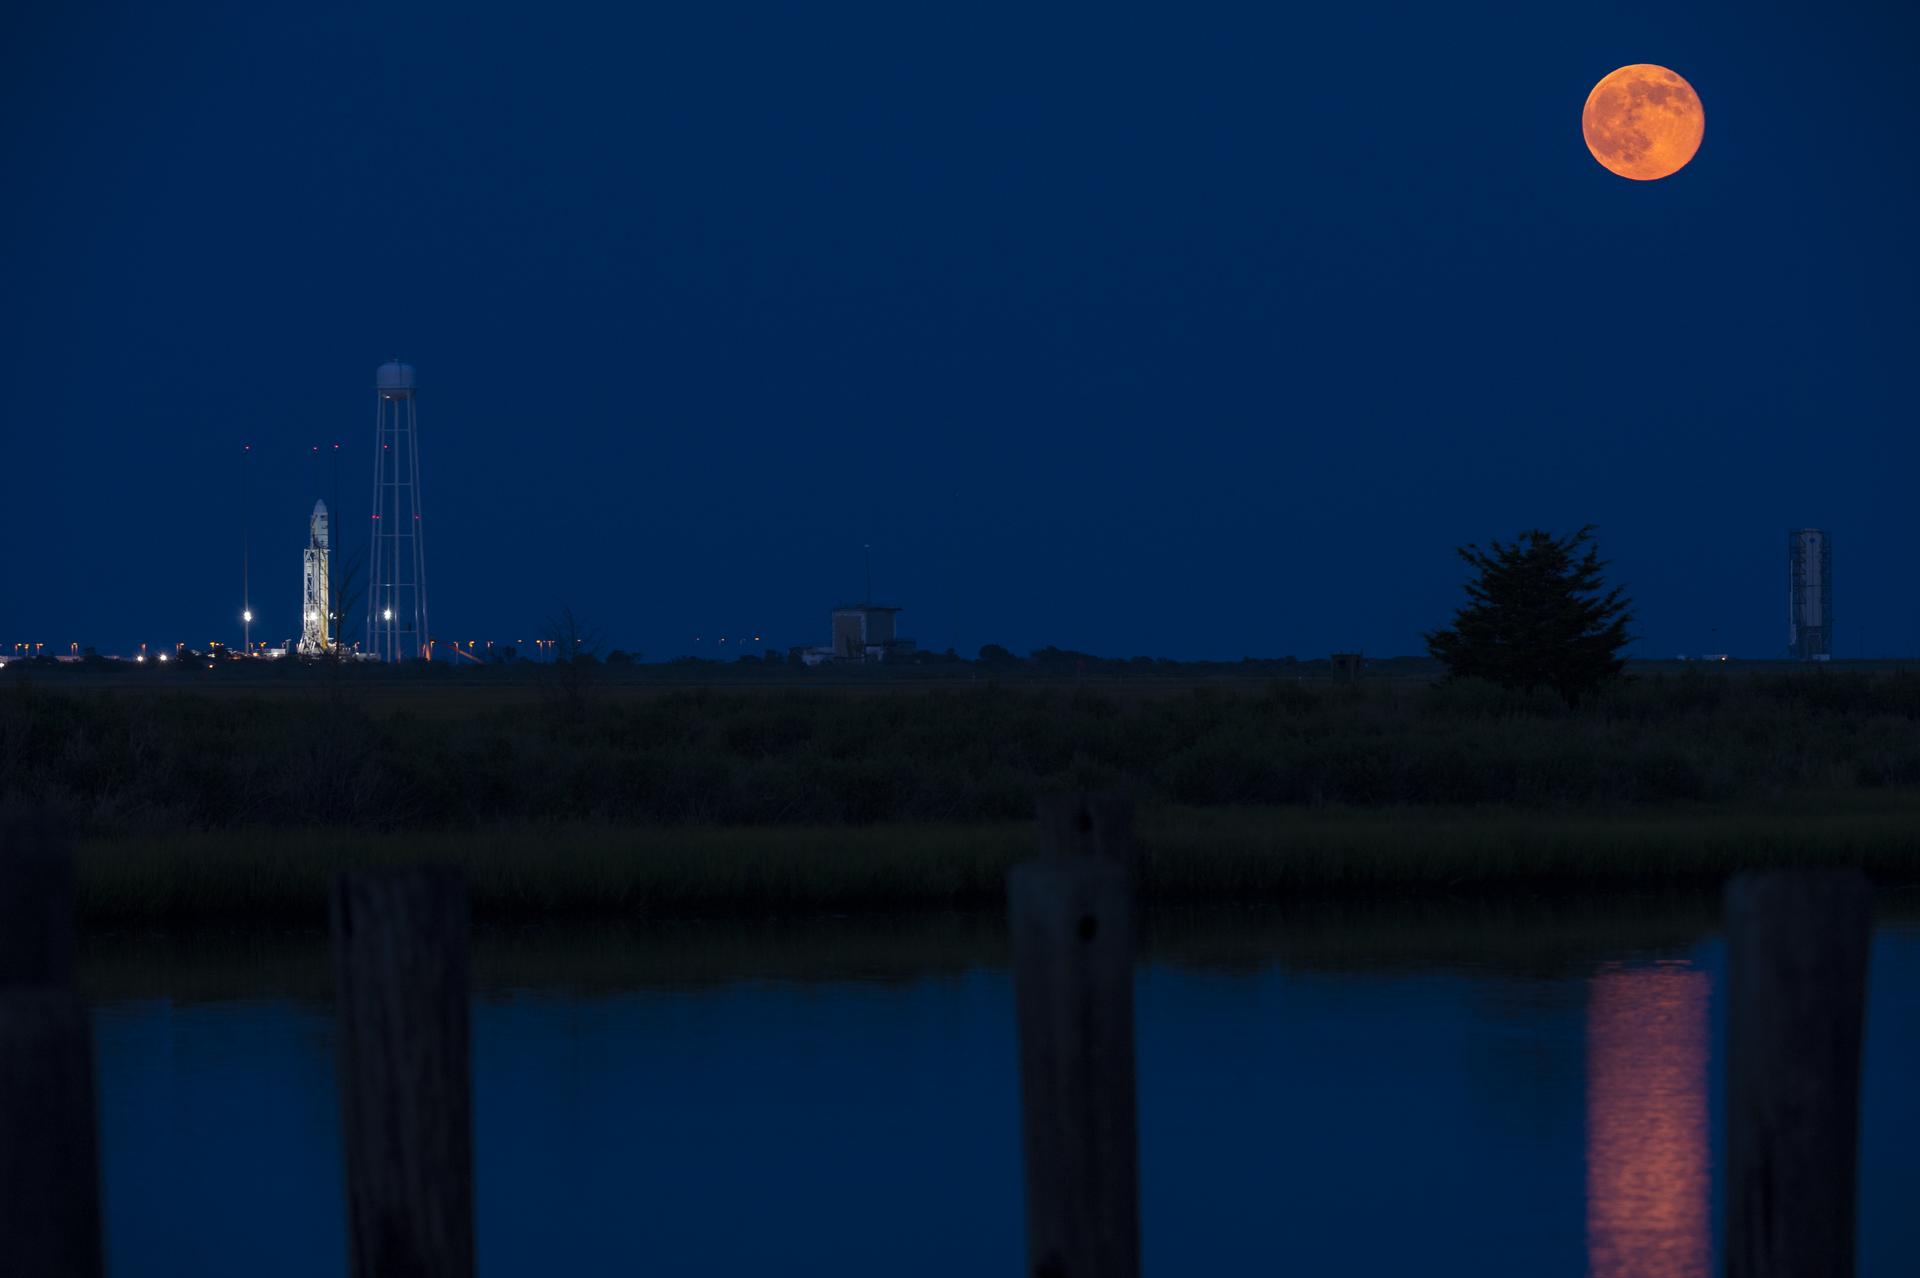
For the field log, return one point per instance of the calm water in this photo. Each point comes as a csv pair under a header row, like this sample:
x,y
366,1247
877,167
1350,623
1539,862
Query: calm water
x,y
1444,1088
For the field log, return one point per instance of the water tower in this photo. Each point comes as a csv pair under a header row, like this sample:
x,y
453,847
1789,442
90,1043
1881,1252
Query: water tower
x,y
397,576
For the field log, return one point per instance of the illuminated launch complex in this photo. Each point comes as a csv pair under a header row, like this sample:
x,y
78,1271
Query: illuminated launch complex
x,y
397,574
316,617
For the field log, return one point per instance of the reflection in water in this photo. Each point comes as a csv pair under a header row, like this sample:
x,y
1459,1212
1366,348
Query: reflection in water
x,y
838,1096
1648,1163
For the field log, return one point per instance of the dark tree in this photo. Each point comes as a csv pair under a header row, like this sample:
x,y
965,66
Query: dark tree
x,y
1537,616
572,641
995,655
574,649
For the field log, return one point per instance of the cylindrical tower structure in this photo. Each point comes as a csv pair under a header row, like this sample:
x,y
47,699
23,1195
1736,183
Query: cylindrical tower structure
x,y
1809,594
397,578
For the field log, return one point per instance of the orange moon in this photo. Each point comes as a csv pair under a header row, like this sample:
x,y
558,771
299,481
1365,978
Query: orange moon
x,y
1643,122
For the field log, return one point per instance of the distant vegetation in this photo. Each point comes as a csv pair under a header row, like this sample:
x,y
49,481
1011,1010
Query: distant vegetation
x,y
334,756
508,663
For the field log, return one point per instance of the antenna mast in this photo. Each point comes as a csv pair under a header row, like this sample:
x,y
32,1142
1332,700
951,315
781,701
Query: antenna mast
x,y
246,549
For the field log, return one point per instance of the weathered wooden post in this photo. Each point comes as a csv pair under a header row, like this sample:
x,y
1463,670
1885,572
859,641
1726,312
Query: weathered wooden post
x,y
1797,945
400,972
49,1160
1073,950
36,893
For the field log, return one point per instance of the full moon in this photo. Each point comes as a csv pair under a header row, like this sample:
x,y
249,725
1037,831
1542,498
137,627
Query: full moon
x,y
1643,122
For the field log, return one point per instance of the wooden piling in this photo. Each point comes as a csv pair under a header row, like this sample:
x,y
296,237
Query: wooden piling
x,y
1072,922
1096,824
36,901
49,1159
401,978
1797,944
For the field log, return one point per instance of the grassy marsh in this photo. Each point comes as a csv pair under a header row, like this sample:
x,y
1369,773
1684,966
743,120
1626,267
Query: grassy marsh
x,y
192,804
1185,854
318,756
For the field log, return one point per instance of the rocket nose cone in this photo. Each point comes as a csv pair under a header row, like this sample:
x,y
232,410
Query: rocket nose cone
x,y
320,510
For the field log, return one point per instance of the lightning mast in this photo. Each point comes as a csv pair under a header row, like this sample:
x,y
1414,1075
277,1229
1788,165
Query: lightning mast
x,y
246,554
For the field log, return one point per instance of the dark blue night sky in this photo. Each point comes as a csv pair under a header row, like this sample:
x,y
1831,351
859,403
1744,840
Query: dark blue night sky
x,y
1178,332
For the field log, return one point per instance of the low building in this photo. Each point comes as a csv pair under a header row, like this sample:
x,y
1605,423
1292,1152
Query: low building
x,y
862,632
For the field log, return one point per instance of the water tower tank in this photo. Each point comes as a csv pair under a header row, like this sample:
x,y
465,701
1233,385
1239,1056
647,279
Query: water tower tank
x,y
394,380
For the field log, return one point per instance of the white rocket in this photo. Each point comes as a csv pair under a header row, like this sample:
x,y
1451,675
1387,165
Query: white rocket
x,y
316,626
